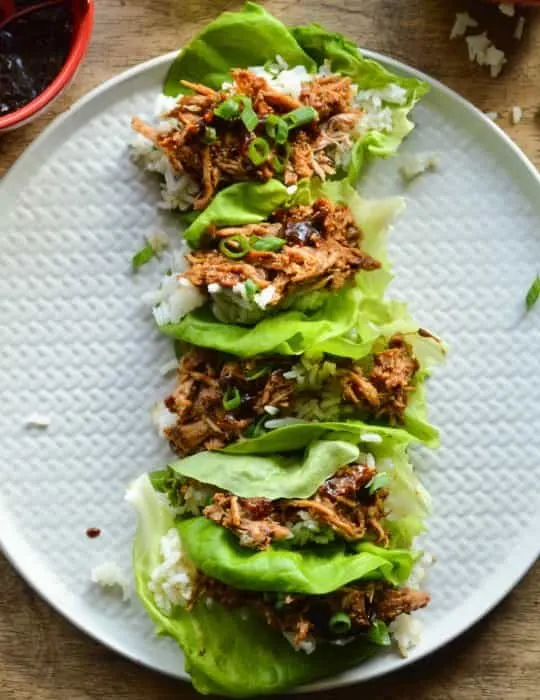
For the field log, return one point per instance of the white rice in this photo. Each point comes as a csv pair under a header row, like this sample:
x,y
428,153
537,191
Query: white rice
x,y
284,79
308,645
463,22
370,437
492,115
170,581
38,420
516,114
175,298
262,299
485,53
162,418
520,26
507,8
406,631
271,410
110,575
214,288
419,572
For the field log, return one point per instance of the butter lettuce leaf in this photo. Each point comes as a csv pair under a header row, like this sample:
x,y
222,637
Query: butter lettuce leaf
x,y
219,644
345,58
311,570
241,39
270,476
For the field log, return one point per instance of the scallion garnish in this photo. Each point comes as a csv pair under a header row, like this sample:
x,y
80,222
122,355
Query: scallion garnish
x,y
258,151
256,428
231,399
340,623
228,109
279,165
257,373
251,289
268,244
142,257
379,481
299,117
248,116
378,634
234,247
276,128
209,134
533,294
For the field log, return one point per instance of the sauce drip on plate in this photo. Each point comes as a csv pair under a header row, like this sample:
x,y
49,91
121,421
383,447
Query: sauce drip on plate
x,y
33,49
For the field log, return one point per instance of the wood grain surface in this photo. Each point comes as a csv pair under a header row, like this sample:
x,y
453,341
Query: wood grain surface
x,y
43,657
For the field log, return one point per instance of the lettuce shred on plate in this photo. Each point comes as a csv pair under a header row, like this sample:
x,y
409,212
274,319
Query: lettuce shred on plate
x,y
279,545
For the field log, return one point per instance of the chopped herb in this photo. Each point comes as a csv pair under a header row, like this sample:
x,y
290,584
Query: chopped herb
x,y
228,109
251,288
379,481
268,244
258,151
279,165
256,428
231,399
234,247
209,135
533,294
277,128
340,623
272,68
143,256
257,373
299,117
248,116
378,634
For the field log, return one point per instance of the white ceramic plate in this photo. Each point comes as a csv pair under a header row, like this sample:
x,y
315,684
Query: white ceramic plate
x,y
77,345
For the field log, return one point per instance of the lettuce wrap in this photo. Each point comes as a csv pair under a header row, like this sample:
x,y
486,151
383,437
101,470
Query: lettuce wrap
x,y
306,320
218,643
253,37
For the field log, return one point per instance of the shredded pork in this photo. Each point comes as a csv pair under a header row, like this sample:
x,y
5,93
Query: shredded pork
x,y
384,392
342,503
223,158
308,616
321,249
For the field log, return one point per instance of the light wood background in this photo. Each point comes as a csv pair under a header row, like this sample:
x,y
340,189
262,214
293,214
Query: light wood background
x,y
43,657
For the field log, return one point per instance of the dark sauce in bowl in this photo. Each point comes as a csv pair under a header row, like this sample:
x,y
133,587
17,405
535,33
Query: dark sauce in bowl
x,y
33,49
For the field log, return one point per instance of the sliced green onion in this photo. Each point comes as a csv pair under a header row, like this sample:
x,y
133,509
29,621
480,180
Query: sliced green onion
x,y
256,428
142,257
278,165
258,151
248,116
378,634
228,109
251,288
234,247
276,128
299,117
533,294
231,399
379,481
268,244
209,135
272,67
257,373
340,623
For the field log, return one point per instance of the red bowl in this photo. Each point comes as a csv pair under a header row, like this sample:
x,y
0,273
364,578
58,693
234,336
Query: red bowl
x,y
83,21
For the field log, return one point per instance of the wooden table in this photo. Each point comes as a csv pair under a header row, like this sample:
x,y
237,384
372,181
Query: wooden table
x,y
42,657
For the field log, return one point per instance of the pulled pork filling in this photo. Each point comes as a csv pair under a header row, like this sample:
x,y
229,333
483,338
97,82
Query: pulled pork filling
x,y
211,142
342,503
219,399
303,617
305,247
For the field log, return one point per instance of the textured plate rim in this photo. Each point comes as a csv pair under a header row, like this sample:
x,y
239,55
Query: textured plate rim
x,y
476,606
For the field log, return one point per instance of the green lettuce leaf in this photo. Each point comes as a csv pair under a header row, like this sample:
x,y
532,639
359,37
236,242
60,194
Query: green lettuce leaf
x,y
275,476
241,39
287,333
316,571
219,644
367,74
237,205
